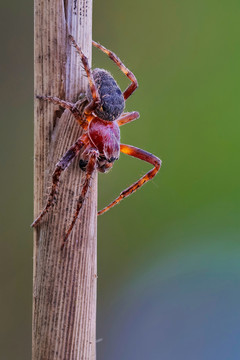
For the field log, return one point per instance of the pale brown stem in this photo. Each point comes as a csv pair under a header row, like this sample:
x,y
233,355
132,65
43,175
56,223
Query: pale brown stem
x,y
64,284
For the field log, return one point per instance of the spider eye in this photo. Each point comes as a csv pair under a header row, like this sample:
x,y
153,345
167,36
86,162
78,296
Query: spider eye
x,y
83,164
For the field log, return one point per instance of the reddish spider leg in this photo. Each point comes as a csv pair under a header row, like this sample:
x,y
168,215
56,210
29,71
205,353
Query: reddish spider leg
x,y
127,117
73,107
66,105
93,155
142,155
94,91
130,89
65,161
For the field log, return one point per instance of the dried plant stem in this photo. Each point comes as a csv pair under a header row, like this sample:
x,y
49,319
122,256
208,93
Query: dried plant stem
x,y
64,284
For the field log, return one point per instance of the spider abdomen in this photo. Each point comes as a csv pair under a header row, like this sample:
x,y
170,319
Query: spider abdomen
x,y
111,98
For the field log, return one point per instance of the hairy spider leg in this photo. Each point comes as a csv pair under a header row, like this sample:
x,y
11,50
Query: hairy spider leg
x,y
127,117
93,155
142,155
94,91
130,89
66,105
60,167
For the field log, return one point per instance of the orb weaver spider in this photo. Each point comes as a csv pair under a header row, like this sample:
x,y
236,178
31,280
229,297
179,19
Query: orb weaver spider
x,y
100,142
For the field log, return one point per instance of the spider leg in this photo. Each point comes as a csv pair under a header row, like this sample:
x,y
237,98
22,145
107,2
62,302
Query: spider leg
x,y
142,155
66,105
94,91
130,89
93,155
60,167
127,117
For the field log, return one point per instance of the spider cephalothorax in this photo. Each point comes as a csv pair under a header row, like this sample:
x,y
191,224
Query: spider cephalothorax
x,y
105,135
100,116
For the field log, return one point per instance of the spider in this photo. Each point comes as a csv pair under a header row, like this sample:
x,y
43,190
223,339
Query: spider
x,y
100,142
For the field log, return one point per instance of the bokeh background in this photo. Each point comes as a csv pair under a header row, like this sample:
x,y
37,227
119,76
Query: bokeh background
x,y
168,256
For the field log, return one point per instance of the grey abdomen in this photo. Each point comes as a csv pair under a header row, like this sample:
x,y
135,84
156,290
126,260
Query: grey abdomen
x,y
112,101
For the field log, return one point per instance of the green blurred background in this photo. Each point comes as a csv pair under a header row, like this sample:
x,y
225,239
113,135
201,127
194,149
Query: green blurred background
x,y
168,256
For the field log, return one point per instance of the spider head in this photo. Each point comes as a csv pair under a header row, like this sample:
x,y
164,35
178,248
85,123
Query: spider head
x,y
111,98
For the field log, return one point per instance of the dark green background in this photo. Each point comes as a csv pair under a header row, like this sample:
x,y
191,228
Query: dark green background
x,y
168,257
